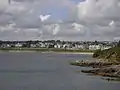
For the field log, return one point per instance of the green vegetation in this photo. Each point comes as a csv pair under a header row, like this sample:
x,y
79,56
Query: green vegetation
x,y
69,50
43,50
23,49
109,54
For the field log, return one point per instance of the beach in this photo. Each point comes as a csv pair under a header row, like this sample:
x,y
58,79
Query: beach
x,y
27,51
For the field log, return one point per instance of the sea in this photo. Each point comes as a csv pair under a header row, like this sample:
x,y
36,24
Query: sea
x,y
48,71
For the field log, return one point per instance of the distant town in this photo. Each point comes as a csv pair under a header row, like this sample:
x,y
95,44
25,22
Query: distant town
x,y
58,44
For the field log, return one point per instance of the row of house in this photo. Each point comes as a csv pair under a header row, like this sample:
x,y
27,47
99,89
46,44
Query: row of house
x,y
58,44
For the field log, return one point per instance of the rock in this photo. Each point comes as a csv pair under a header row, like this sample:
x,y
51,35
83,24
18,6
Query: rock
x,y
91,63
111,71
101,67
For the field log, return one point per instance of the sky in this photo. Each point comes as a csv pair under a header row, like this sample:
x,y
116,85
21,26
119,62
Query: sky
x,y
60,19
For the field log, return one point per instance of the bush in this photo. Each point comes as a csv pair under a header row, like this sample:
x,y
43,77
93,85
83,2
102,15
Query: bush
x,y
96,53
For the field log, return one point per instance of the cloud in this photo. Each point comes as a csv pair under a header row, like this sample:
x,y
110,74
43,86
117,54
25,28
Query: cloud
x,y
17,8
99,9
101,17
60,19
78,27
3,5
44,17
22,11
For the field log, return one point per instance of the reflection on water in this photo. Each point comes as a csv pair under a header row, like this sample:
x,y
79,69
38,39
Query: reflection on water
x,y
36,71
111,79
27,71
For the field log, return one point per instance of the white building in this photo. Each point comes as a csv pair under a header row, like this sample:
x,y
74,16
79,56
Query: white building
x,y
80,47
94,47
57,46
18,45
106,47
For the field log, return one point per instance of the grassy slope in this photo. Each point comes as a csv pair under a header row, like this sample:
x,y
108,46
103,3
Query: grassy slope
x,y
109,54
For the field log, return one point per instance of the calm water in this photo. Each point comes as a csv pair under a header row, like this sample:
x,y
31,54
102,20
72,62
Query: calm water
x,y
36,71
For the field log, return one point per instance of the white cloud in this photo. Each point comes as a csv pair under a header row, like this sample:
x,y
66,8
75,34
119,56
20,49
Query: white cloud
x,y
112,25
78,27
99,9
55,28
44,17
101,17
97,19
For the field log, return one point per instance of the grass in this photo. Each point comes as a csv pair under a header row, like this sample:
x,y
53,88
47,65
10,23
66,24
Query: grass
x,y
109,54
43,50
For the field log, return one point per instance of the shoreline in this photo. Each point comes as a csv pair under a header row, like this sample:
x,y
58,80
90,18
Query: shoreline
x,y
56,52
83,53
100,67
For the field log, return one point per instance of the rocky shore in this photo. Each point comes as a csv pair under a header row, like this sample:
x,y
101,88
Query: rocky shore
x,y
100,67
107,63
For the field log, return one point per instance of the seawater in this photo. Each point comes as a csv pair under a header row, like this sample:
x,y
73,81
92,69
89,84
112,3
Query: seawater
x,y
47,71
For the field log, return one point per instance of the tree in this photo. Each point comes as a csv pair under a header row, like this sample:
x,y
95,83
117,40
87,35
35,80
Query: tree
x,y
118,44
